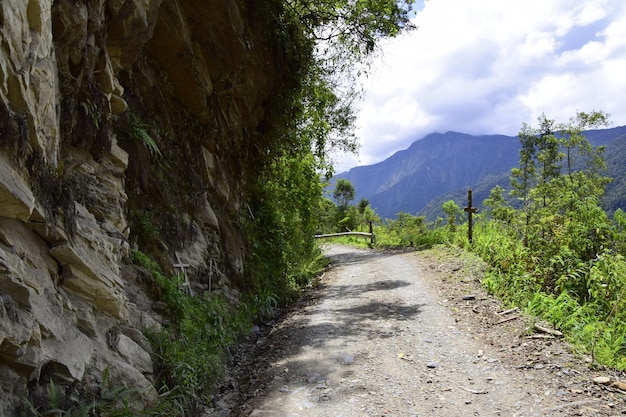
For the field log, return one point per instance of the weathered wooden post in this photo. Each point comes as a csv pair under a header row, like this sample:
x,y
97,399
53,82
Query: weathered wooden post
x,y
470,210
373,238
183,267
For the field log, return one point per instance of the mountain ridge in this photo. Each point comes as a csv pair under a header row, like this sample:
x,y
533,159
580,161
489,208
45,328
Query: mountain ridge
x,y
441,163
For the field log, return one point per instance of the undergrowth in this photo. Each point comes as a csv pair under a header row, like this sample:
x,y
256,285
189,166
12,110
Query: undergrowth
x,y
79,401
586,300
191,352
554,251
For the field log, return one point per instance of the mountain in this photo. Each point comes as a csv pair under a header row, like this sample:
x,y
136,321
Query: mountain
x,y
441,167
615,157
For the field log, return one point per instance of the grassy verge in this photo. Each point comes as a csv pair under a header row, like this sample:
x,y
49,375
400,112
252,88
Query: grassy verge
x,y
593,319
587,300
191,352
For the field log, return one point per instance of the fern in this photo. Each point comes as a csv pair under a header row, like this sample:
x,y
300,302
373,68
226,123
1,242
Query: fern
x,y
138,132
148,142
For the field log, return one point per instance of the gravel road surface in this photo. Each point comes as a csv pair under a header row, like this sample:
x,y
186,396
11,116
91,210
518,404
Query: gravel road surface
x,y
408,334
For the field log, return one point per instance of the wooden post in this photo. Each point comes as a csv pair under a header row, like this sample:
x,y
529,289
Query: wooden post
x,y
183,267
372,233
470,210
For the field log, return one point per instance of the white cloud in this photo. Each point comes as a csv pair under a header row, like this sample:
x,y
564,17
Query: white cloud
x,y
488,66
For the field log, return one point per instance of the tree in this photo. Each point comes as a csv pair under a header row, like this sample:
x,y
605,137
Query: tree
x,y
326,216
547,150
539,161
497,207
408,227
342,35
316,45
564,225
575,146
349,220
367,214
452,211
363,204
344,193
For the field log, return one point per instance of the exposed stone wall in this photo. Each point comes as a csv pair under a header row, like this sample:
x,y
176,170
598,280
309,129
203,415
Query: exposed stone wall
x,y
76,77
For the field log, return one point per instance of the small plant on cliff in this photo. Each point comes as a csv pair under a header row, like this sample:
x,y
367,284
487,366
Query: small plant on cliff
x,y
138,131
74,401
189,352
54,192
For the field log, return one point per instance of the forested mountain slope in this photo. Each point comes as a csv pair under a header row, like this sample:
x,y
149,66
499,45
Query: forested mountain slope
x,y
440,167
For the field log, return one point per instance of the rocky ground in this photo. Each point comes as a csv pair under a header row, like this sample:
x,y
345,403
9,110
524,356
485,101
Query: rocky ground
x,y
410,334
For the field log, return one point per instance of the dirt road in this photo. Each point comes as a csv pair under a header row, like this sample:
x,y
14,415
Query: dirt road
x,y
405,335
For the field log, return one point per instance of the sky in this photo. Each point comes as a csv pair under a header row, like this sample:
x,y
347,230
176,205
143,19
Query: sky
x,y
488,67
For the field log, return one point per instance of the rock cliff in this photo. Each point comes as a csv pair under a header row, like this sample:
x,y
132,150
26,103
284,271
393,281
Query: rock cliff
x,y
123,124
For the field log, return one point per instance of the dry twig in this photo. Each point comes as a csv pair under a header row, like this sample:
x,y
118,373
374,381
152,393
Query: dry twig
x,y
474,391
506,319
548,331
505,312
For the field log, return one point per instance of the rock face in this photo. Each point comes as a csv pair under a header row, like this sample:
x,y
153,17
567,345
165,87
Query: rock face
x,y
122,123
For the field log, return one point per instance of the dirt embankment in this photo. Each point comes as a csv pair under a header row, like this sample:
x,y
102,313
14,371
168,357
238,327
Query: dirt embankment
x,y
408,334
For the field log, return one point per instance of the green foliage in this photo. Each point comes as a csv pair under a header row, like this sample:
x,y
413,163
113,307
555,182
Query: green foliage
x,y
143,230
309,117
343,217
54,192
325,39
452,211
539,182
619,240
189,353
139,132
559,255
344,192
497,207
326,216
347,218
565,267
281,224
410,230
407,228
353,28
108,401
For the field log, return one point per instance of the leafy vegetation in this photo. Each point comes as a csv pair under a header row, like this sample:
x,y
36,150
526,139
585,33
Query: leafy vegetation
x,y
316,46
107,401
325,41
557,253
190,353
341,216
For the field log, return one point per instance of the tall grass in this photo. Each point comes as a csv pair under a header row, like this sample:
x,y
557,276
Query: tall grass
x,y
585,299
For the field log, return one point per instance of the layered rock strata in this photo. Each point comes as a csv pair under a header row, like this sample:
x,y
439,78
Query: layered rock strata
x,y
111,109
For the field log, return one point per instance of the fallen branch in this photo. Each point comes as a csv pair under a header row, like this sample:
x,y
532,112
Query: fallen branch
x,y
506,319
363,234
474,391
572,404
541,336
619,385
548,331
505,312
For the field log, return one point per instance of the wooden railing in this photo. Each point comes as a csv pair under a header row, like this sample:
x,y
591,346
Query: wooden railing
x,y
362,234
